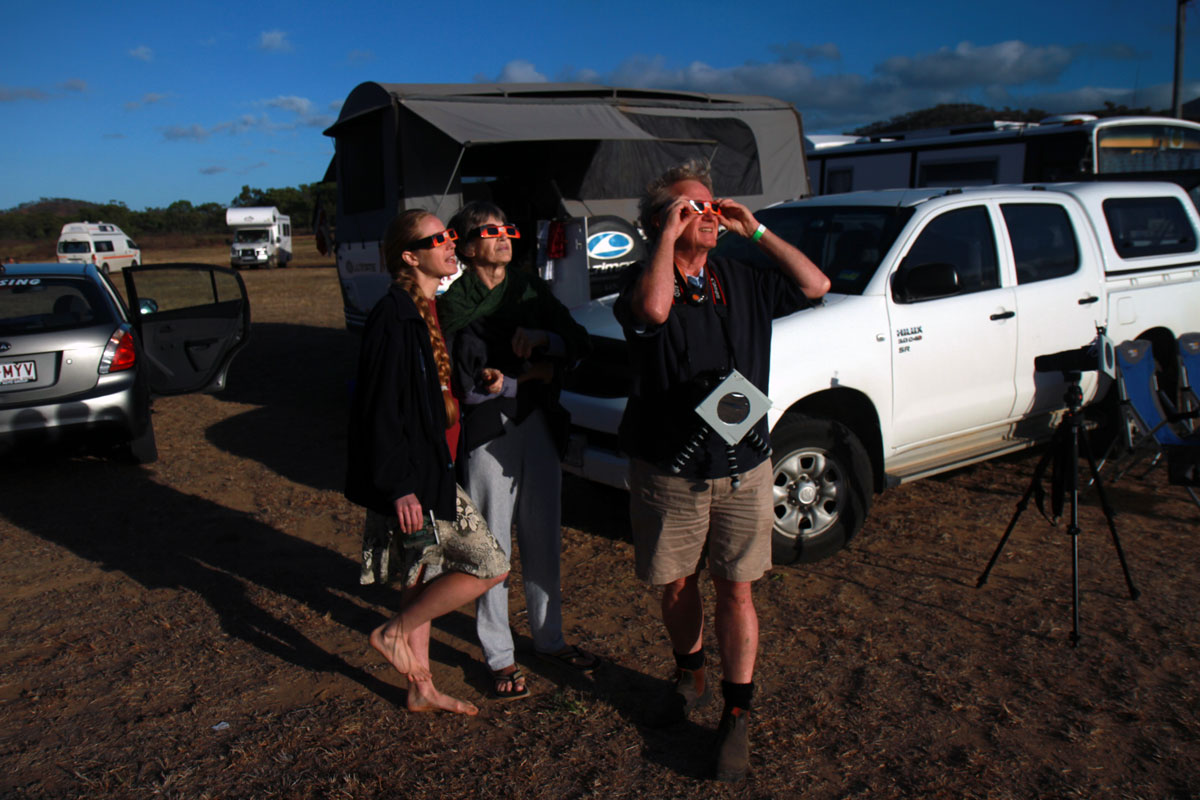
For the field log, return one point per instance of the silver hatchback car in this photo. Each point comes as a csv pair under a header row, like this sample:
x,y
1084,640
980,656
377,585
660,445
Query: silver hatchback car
x,y
77,368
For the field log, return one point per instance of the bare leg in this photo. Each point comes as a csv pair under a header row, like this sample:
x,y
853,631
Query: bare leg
x,y
683,614
736,622
404,639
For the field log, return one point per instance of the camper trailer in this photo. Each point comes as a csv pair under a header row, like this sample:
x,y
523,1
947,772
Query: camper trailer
x,y
99,243
579,155
1069,147
262,237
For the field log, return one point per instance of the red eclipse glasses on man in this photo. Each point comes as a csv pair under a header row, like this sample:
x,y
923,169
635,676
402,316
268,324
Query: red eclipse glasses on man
x,y
703,207
436,240
494,231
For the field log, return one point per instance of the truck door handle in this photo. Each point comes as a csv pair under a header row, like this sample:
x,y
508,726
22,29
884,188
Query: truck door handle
x,y
1004,315
1087,301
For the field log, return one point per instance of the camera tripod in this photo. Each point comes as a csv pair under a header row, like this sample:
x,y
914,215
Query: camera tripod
x,y
1064,453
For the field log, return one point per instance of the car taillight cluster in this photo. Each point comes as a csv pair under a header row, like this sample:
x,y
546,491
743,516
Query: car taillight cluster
x,y
556,240
120,352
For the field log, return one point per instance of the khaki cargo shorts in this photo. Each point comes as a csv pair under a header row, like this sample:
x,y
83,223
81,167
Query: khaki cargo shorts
x,y
679,522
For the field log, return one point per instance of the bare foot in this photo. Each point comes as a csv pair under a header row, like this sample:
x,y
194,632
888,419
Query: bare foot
x,y
422,696
394,647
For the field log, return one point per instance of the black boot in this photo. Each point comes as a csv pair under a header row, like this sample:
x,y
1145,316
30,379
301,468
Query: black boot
x,y
690,691
732,756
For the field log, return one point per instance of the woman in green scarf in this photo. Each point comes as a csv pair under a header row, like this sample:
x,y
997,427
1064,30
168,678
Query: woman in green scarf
x,y
511,340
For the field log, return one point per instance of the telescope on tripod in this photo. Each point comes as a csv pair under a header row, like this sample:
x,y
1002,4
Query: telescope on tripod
x,y
1063,452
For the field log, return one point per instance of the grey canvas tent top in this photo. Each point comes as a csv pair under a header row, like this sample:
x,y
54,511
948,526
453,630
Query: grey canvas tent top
x,y
544,150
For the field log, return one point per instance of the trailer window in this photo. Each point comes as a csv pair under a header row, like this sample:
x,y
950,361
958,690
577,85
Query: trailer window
x,y
1147,148
1043,241
978,172
1148,226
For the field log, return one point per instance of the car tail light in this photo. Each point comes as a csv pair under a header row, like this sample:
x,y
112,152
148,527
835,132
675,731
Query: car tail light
x,y
120,353
556,240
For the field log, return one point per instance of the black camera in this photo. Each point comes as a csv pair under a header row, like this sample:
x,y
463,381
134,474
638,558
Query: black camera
x,y
1096,356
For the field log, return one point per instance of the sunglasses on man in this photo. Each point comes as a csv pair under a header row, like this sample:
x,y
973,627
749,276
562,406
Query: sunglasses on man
x,y
703,207
436,240
494,231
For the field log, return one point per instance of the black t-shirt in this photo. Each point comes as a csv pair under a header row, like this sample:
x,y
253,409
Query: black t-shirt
x,y
675,365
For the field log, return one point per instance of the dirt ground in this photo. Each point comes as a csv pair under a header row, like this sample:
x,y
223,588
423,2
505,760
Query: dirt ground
x,y
195,629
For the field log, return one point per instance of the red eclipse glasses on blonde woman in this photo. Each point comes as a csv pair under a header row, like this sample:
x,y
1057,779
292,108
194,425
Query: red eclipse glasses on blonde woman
x,y
430,242
493,231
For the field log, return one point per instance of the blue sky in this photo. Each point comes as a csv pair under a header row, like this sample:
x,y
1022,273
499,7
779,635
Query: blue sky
x,y
149,103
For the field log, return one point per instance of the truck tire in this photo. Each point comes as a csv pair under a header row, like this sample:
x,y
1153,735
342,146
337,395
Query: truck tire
x,y
823,488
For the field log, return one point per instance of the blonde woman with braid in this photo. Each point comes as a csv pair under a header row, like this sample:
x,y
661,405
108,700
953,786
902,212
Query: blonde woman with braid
x,y
400,463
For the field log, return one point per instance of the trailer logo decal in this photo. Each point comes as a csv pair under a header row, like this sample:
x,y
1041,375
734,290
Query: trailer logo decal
x,y
608,245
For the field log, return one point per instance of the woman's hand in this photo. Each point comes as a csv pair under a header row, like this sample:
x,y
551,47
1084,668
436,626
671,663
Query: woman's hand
x,y
526,340
491,380
736,217
408,511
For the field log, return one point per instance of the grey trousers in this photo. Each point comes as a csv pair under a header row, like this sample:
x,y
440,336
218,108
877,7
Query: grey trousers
x,y
516,478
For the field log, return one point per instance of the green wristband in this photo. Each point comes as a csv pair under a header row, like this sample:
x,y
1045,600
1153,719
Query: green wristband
x,y
758,234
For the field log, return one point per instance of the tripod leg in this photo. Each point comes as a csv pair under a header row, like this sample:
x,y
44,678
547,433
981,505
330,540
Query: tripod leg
x,y
1073,528
1022,504
1109,517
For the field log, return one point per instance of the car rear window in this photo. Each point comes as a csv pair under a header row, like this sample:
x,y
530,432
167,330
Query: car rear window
x,y
45,304
74,247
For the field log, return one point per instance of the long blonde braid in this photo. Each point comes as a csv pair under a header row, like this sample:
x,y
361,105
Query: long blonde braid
x,y
402,231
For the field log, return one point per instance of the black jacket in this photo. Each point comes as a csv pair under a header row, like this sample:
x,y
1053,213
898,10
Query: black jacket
x,y
397,434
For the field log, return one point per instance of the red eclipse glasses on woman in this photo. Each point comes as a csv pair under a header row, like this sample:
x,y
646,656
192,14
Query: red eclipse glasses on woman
x,y
430,242
704,207
493,231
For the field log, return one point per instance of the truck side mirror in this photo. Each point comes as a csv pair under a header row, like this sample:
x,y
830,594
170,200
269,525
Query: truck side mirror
x,y
925,282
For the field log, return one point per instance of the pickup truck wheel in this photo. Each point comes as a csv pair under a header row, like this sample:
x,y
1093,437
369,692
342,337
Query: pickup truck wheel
x,y
822,488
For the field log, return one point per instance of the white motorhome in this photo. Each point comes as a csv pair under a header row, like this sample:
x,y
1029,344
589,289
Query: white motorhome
x,y
99,243
262,237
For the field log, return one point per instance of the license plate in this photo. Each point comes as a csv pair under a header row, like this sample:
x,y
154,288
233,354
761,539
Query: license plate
x,y
18,372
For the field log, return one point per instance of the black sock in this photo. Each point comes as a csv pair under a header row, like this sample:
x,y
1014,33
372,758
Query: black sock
x,y
737,695
689,661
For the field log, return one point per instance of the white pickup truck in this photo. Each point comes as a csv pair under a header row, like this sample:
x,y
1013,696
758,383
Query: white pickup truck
x,y
921,358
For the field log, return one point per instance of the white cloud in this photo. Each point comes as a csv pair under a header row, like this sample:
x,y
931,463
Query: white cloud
x,y
142,53
1009,63
10,94
520,71
300,105
274,42
176,133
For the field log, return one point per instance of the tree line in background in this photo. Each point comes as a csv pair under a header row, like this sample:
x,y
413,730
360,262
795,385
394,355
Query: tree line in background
x,y
44,219
947,114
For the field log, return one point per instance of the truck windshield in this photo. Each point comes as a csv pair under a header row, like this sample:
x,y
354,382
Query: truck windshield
x,y
846,242
250,236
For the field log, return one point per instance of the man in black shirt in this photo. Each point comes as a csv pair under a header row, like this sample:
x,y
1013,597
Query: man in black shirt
x,y
689,320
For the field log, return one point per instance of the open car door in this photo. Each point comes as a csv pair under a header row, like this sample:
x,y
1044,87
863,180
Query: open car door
x,y
191,319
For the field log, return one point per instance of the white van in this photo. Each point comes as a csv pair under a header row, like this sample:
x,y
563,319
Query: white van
x,y
99,243
262,237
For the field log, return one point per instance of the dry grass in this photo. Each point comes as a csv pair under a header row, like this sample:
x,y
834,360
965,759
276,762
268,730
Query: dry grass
x,y
143,607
